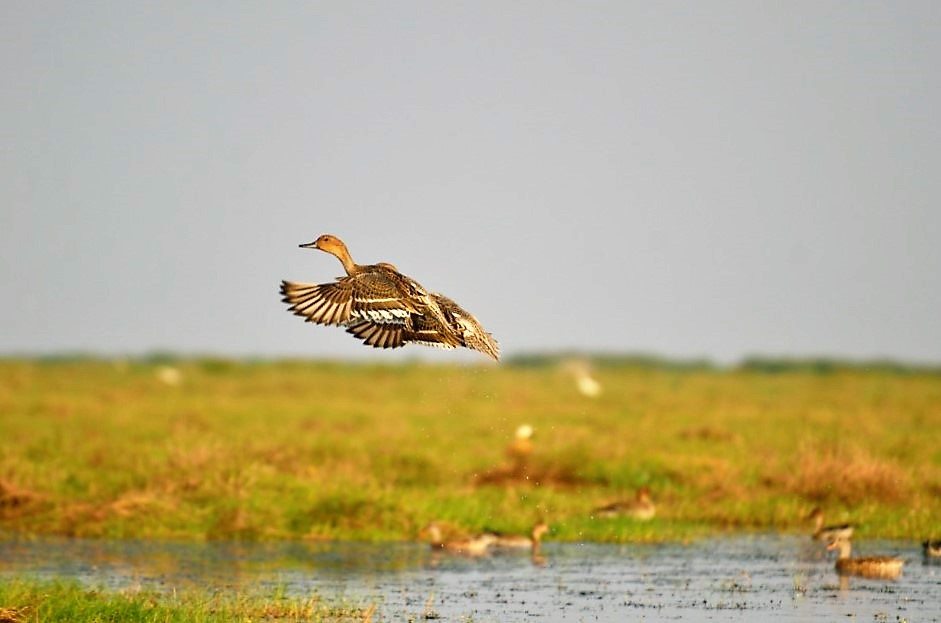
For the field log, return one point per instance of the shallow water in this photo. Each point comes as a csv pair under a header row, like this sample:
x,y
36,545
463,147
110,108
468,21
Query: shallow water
x,y
746,578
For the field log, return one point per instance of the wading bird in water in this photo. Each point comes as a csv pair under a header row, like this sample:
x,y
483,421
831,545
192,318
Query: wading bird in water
x,y
382,307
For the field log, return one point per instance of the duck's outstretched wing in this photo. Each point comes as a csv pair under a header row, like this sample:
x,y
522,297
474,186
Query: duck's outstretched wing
x,y
467,328
427,330
326,303
369,296
417,330
377,335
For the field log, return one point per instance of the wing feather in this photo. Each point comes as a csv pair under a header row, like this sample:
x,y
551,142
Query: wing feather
x,y
471,333
326,303
377,335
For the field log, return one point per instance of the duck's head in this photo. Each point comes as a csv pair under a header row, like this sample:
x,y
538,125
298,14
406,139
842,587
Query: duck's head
x,y
815,514
539,530
643,494
326,242
842,545
432,532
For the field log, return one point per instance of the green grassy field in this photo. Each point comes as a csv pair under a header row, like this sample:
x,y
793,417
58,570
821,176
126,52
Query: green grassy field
x,y
300,450
24,601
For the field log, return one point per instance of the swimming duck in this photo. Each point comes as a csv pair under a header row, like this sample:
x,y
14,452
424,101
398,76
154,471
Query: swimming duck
x,y
641,507
932,549
384,308
469,546
828,533
519,541
886,567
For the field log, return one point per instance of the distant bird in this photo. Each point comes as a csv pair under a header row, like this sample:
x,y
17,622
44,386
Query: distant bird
x,y
641,507
521,447
468,546
585,383
384,308
588,386
168,375
828,533
519,541
884,567
932,549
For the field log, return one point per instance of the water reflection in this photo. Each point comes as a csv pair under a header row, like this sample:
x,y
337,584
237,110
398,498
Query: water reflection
x,y
769,576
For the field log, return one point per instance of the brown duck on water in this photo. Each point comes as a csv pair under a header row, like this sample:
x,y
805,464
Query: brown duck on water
x,y
384,308
467,546
519,541
884,567
932,549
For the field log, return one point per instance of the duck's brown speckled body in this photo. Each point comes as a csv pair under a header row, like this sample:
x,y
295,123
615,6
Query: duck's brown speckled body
x,y
467,546
882,567
384,308
642,507
519,541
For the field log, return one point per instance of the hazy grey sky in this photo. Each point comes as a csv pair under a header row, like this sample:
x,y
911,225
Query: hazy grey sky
x,y
701,178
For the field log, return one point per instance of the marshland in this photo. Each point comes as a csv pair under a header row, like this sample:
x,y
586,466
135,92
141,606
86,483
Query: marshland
x,y
318,454
314,451
231,235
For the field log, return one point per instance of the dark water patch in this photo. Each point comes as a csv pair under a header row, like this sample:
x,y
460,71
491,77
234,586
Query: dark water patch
x,y
742,578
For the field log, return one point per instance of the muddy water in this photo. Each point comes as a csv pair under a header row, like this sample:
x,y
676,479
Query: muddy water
x,y
742,578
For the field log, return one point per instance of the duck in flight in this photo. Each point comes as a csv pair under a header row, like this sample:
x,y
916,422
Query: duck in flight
x,y
384,308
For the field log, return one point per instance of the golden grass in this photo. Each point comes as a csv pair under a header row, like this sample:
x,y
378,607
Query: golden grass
x,y
848,476
326,450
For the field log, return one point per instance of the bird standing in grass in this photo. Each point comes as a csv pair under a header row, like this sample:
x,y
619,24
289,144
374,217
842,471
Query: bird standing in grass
x,y
384,308
642,507
520,449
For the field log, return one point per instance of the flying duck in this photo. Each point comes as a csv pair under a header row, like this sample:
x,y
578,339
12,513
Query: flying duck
x,y
886,567
384,308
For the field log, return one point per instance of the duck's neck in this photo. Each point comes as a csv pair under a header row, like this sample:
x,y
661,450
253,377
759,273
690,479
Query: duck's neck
x,y
845,550
818,522
342,254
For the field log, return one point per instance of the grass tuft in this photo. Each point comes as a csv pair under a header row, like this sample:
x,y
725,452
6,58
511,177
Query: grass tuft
x,y
848,477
